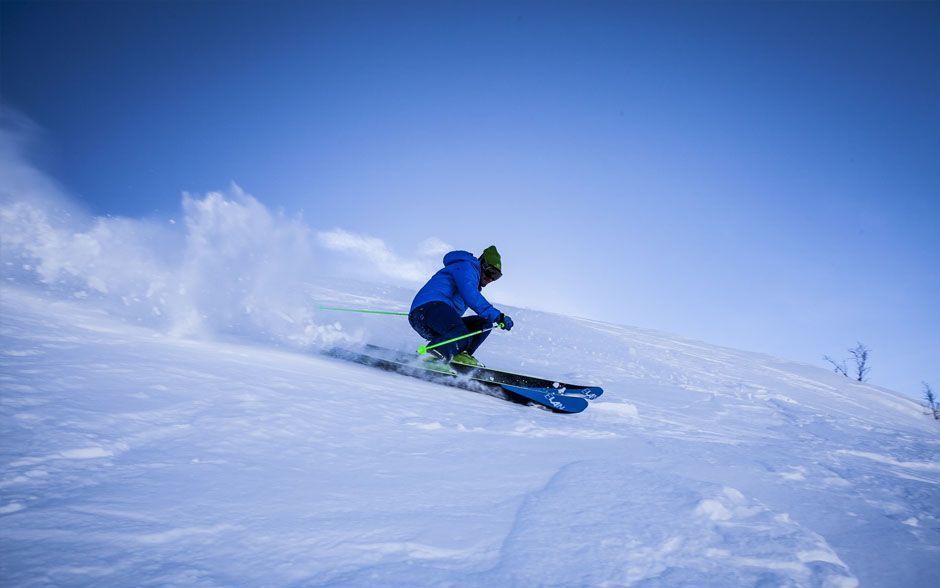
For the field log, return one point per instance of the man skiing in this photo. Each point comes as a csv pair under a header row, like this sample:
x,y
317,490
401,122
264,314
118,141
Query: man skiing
x,y
437,310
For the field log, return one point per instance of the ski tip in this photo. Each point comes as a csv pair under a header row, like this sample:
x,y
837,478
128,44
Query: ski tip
x,y
549,398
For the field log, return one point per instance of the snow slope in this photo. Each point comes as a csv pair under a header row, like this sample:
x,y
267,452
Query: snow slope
x,y
132,456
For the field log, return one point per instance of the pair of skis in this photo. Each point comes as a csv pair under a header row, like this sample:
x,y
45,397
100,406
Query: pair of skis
x,y
554,395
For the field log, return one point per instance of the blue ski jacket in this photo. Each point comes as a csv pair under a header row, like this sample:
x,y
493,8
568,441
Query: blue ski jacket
x,y
457,284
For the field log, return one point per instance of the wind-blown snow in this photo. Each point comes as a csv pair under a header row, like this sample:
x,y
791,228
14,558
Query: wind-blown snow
x,y
228,266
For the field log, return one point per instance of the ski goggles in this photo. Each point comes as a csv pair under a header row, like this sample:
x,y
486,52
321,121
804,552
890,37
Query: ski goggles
x,y
492,273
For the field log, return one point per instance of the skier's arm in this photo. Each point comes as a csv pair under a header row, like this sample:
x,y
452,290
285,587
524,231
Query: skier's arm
x,y
468,281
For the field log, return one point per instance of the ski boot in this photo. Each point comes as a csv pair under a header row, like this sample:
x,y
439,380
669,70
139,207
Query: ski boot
x,y
436,362
464,358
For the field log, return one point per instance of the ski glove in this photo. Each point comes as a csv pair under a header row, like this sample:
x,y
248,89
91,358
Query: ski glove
x,y
504,322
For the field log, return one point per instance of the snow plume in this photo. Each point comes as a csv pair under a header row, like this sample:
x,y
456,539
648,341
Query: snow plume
x,y
82,257
246,270
232,267
376,258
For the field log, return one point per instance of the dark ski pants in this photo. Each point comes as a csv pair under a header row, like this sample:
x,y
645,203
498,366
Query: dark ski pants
x,y
437,321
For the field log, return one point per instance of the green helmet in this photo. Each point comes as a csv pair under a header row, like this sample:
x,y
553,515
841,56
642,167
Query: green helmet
x,y
490,260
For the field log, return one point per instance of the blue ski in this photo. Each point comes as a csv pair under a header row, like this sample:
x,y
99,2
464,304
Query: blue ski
x,y
549,397
522,389
498,377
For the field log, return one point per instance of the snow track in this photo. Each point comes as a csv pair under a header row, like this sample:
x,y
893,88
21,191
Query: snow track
x,y
134,458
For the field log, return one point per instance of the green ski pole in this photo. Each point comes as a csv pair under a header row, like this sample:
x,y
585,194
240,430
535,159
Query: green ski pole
x,y
424,348
364,311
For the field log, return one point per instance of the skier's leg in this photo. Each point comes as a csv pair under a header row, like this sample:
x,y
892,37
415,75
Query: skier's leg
x,y
473,324
418,320
437,321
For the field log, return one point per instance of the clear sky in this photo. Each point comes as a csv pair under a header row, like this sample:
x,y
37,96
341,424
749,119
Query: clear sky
x,y
760,175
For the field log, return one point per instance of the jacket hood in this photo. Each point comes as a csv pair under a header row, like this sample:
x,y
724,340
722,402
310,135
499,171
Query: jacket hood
x,y
459,256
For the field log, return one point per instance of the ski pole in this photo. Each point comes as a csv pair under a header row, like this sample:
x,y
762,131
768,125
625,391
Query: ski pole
x,y
424,348
364,311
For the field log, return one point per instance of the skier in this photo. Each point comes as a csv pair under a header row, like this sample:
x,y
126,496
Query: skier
x,y
437,310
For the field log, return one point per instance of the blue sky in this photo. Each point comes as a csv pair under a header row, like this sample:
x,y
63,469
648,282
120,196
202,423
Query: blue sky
x,y
759,175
